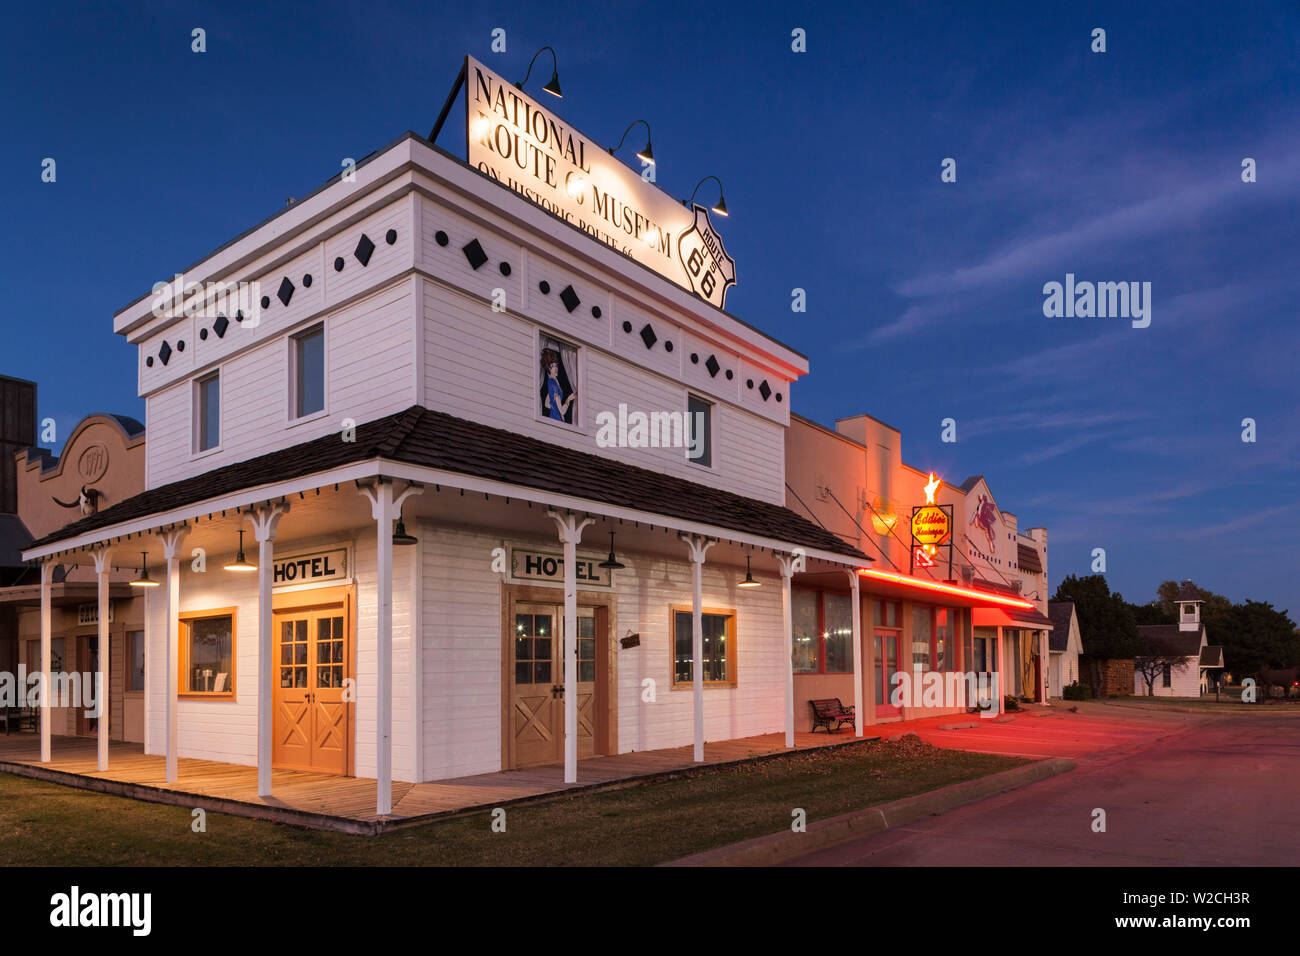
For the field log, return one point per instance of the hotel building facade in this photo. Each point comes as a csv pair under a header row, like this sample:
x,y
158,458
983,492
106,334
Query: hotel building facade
x,y
390,473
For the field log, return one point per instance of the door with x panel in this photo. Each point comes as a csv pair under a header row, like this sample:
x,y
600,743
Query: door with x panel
x,y
312,655
536,705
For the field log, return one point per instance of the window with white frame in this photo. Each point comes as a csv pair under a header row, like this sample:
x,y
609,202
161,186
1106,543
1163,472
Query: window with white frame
x,y
207,412
308,371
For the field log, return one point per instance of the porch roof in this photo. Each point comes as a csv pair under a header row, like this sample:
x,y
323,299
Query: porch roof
x,y
423,437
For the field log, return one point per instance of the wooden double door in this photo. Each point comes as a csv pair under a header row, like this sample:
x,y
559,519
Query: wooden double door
x,y
312,687
535,699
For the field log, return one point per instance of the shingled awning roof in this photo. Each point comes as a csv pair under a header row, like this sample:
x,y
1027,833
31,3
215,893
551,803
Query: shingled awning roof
x,y
1027,558
421,436
1167,640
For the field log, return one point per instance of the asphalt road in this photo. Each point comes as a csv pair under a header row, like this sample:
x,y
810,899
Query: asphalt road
x,y
1221,792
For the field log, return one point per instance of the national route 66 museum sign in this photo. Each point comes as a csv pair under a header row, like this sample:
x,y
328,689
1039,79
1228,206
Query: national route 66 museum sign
x,y
519,143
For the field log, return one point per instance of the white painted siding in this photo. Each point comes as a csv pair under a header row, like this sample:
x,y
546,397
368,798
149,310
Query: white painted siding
x,y
226,730
647,590
370,372
480,365
462,653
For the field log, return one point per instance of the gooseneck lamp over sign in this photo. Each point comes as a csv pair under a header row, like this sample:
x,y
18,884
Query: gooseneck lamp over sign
x,y
646,154
720,207
553,87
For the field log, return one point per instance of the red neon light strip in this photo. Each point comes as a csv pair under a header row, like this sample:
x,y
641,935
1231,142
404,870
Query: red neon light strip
x,y
947,588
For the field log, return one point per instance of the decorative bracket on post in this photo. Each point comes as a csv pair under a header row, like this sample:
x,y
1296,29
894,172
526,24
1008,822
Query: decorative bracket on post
x,y
568,526
265,519
698,545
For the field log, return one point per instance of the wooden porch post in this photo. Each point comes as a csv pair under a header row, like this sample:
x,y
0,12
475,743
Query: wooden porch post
x,y
384,507
787,626
171,541
857,651
698,546
47,572
265,521
570,530
100,556
1002,671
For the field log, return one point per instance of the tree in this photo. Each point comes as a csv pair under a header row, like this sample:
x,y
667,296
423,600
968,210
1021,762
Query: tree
x,y
1107,623
1258,637
1152,667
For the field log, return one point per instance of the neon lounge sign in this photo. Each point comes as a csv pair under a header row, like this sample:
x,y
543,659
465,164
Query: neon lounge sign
x,y
517,142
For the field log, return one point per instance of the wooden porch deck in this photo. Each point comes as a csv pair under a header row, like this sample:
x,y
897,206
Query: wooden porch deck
x,y
348,803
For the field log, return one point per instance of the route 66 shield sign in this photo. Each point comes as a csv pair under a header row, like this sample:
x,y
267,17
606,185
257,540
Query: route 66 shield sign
x,y
710,271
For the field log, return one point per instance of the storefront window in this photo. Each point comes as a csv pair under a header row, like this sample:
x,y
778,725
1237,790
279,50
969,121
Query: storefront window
x,y
838,633
803,616
822,631
887,613
942,639
135,660
208,654
922,635
719,638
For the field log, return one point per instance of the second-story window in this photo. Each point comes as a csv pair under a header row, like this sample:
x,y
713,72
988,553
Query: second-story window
x,y
699,431
558,392
308,372
208,412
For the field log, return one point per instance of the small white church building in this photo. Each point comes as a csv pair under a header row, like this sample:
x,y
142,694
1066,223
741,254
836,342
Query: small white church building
x,y
1184,649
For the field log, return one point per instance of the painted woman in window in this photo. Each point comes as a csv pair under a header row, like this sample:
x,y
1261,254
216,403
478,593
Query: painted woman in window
x,y
557,392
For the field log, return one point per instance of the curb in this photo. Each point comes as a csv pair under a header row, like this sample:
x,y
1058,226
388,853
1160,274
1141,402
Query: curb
x,y
779,847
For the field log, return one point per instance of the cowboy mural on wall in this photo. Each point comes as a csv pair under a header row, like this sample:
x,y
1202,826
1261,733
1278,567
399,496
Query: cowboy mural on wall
x,y
984,517
558,394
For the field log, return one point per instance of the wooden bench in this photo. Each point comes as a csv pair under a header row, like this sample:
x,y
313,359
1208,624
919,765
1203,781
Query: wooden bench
x,y
830,710
18,716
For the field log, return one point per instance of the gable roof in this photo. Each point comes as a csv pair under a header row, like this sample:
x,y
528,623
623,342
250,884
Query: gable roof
x,y
1167,640
970,483
421,436
1060,612
1212,655
1188,593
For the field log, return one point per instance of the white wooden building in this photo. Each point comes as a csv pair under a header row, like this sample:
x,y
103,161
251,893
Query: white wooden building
x,y
399,359
1065,646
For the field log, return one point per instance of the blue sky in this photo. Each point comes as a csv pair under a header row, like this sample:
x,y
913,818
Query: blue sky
x,y
924,298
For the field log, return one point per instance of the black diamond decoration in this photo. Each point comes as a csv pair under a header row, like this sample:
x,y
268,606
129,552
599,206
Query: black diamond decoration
x,y
220,326
285,292
570,298
365,249
165,353
765,390
648,336
474,253
713,366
